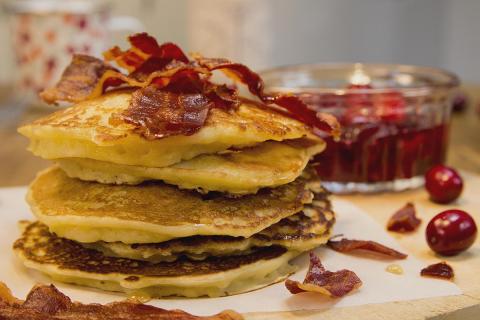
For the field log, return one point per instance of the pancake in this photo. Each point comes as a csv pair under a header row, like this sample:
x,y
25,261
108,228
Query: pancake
x,y
154,212
300,232
67,261
90,130
244,171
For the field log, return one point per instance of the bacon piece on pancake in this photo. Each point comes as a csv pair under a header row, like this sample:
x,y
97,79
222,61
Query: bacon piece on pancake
x,y
158,113
294,106
404,220
148,67
236,71
223,96
129,60
300,111
47,302
438,270
166,68
87,77
79,80
332,284
348,245
169,69
143,47
148,45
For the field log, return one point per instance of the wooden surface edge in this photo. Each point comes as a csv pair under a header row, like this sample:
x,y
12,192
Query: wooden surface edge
x,y
450,307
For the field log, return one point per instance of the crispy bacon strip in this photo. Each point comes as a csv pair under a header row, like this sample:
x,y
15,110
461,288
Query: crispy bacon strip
x,y
129,60
296,108
168,68
82,80
348,245
170,74
404,220
148,45
79,80
300,111
157,113
181,108
88,77
237,71
438,270
143,47
47,303
332,284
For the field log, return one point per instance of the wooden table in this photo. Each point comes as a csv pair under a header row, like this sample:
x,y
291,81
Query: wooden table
x,y
18,167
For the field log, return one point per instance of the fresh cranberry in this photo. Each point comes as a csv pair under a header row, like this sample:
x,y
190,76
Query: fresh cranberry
x,y
460,102
451,232
443,183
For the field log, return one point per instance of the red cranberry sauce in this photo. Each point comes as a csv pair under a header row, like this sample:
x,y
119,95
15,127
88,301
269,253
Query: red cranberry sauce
x,y
381,141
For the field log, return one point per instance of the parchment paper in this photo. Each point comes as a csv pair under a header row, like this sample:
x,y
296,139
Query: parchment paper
x,y
378,285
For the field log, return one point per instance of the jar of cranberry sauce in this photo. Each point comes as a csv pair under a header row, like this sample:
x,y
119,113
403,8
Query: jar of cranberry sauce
x,y
395,120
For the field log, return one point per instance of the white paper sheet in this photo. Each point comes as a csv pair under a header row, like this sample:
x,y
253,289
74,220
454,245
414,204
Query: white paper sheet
x,y
378,285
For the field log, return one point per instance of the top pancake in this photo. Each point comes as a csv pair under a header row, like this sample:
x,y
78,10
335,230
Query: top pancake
x,y
154,212
91,130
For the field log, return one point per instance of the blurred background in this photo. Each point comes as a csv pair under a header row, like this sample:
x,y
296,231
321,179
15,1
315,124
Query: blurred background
x,y
265,33
38,37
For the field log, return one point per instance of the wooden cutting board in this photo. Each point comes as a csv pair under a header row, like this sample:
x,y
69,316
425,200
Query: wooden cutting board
x,y
466,265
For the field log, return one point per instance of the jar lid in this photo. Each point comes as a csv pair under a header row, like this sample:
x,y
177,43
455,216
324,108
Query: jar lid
x,y
52,6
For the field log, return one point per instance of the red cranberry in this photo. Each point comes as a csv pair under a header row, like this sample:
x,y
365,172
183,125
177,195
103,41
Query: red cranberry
x,y
451,232
460,102
443,183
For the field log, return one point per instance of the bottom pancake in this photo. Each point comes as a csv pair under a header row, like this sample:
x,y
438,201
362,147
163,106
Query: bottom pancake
x,y
67,261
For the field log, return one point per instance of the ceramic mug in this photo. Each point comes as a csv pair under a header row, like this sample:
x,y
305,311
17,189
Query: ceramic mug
x,y
45,34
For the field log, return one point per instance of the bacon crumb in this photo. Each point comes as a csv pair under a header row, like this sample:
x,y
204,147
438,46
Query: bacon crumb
x,y
348,245
438,270
404,220
47,302
332,284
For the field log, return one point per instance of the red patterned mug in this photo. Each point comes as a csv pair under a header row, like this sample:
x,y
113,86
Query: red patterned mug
x,y
45,34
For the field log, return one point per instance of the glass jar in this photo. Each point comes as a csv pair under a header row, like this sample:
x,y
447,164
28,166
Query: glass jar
x,y
395,120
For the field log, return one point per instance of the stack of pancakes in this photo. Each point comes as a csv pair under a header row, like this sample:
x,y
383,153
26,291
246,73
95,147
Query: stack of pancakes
x,y
219,212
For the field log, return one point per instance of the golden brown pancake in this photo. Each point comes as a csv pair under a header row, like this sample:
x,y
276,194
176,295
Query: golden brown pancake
x,y
244,171
91,130
68,261
154,212
301,232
